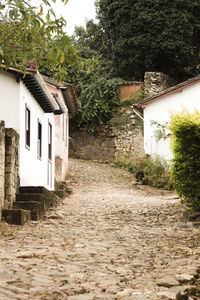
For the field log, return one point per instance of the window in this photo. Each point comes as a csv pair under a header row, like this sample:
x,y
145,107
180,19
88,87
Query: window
x,y
49,176
27,127
66,132
49,141
39,140
63,126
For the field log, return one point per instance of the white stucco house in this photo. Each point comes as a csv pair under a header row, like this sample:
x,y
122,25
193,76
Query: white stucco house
x,y
158,108
64,95
28,107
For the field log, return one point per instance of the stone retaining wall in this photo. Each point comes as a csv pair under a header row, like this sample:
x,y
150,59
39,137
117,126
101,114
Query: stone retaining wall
x,y
2,164
127,129
124,132
155,82
9,166
122,135
99,146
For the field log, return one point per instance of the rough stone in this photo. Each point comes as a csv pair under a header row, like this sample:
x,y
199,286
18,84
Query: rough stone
x,y
155,82
33,206
2,164
167,295
11,166
167,281
16,216
119,137
183,278
107,242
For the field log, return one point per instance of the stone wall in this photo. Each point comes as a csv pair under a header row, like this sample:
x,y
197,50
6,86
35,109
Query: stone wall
x,y
99,146
124,132
122,135
2,164
127,129
58,168
11,167
155,82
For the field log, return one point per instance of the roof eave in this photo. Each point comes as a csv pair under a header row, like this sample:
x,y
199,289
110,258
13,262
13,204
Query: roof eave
x,y
44,87
37,87
172,90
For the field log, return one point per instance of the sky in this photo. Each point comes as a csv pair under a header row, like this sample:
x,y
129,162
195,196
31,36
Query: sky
x,y
75,12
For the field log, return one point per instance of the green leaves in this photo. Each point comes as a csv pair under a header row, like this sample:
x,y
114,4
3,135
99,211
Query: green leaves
x,y
62,57
152,36
185,144
99,95
26,37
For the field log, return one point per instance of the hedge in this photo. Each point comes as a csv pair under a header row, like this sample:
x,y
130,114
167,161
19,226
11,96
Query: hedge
x,y
185,145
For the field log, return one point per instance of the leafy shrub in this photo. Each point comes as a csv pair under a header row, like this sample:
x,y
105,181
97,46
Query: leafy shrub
x,y
185,144
150,171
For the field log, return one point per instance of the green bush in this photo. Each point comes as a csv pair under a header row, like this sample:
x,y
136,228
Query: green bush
x,y
150,171
185,144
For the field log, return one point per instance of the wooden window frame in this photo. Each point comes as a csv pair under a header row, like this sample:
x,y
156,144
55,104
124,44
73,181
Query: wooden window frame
x,y
27,127
63,126
39,140
66,133
49,142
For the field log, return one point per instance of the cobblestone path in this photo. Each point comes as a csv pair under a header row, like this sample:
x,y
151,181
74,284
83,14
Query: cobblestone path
x,y
108,240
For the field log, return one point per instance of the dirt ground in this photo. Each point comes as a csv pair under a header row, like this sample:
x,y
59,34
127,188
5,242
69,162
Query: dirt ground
x,y
109,240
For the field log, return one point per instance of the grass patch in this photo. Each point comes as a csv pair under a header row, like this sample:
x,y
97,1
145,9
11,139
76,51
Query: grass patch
x,y
152,171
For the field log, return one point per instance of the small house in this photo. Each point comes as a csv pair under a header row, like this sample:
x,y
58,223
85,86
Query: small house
x,y
157,110
65,97
28,107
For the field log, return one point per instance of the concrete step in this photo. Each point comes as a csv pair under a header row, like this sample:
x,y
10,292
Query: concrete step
x,y
34,206
16,216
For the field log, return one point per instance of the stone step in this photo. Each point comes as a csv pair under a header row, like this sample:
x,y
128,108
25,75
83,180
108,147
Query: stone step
x,y
50,196
62,194
33,190
16,216
34,197
62,189
34,206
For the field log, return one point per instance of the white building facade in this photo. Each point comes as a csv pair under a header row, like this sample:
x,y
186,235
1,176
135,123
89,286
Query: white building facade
x,y
66,99
61,135
28,107
157,113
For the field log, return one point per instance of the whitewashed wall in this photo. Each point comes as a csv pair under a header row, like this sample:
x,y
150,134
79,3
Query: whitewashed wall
x,y
61,136
159,111
13,98
9,100
34,171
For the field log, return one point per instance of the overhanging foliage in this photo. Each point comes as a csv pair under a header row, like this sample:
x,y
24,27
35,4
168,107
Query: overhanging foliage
x,y
27,37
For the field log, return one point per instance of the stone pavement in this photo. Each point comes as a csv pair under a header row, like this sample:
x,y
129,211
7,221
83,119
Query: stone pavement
x,y
108,240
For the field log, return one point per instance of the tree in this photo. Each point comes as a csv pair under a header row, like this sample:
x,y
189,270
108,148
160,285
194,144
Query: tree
x,y
96,88
152,35
27,37
92,45
91,37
